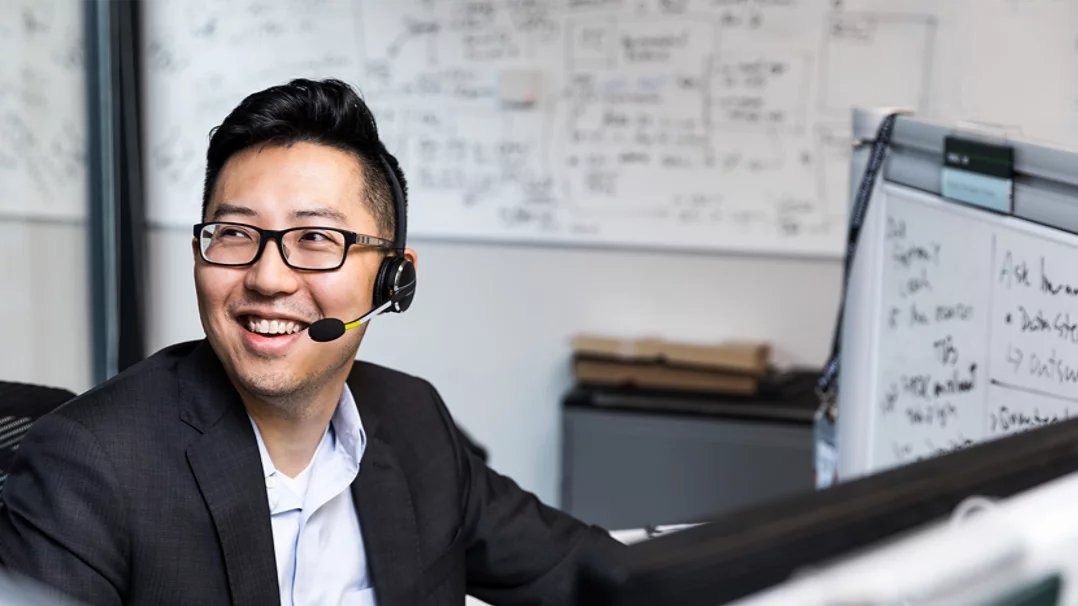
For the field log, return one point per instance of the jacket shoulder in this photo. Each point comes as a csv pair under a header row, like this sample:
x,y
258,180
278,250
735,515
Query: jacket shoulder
x,y
405,406
133,394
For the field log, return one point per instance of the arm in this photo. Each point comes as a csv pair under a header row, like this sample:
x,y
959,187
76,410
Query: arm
x,y
518,550
62,517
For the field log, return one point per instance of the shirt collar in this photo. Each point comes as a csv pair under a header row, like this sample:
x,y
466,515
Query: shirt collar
x,y
347,436
350,437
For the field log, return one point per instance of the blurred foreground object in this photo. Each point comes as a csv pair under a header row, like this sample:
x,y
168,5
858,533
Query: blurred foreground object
x,y
19,591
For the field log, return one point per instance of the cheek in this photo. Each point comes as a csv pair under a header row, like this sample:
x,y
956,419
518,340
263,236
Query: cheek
x,y
336,295
342,295
211,288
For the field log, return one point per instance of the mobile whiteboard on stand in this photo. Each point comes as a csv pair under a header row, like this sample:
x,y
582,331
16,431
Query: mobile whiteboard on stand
x,y
961,319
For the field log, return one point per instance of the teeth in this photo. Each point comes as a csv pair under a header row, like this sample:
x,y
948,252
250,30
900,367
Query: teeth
x,y
273,327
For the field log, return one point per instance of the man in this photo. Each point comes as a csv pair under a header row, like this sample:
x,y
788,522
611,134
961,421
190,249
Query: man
x,y
259,465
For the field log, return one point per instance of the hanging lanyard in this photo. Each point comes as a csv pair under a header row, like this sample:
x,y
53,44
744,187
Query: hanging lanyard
x,y
827,385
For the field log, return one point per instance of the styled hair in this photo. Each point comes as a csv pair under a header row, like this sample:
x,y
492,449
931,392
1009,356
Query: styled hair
x,y
326,112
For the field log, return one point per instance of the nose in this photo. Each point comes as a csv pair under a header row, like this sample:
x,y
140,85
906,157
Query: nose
x,y
269,275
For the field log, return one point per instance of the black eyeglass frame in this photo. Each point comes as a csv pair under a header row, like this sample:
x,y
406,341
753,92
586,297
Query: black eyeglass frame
x,y
351,239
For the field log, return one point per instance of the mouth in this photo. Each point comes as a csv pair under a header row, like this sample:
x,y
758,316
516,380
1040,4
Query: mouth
x,y
271,327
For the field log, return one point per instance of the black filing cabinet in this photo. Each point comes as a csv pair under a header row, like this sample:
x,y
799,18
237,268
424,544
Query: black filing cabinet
x,y
632,459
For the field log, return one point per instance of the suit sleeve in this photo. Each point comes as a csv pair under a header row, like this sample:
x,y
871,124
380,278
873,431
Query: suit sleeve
x,y
62,516
518,550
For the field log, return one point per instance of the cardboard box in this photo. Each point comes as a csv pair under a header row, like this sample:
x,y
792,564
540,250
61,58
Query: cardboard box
x,y
732,367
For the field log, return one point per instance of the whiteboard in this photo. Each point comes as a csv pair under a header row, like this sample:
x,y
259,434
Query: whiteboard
x,y
42,110
975,333
678,124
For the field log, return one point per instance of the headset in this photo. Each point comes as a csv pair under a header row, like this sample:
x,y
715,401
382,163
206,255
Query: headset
x,y
394,286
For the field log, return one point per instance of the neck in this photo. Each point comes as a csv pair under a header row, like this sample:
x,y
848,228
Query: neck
x,y
292,430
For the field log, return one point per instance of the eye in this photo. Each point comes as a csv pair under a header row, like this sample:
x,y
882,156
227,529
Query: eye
x,y
319,237
232,232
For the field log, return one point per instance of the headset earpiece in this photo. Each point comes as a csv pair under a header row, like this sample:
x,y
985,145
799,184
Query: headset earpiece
x,y
396,282
396,276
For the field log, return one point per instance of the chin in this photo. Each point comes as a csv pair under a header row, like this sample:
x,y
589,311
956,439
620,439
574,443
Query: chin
x,y
272,386
263,378
276,375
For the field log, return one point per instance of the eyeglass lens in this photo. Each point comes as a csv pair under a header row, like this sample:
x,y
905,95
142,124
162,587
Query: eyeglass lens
x,y
310,248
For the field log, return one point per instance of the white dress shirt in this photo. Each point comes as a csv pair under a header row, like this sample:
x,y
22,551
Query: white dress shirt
x,y
316,530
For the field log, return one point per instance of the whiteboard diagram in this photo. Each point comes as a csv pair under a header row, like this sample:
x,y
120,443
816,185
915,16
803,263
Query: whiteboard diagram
x,y
42,110
898,47
202,57
680,124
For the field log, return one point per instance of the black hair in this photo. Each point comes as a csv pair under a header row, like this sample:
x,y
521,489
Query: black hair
x,y
328,112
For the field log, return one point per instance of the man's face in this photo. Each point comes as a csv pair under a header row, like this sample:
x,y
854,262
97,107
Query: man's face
x,y
275,188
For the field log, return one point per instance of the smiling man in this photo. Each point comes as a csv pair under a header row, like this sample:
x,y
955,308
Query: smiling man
x,y
264,464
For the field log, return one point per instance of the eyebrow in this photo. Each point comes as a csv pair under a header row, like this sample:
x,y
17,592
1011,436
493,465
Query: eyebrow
x,y
321,212
233,209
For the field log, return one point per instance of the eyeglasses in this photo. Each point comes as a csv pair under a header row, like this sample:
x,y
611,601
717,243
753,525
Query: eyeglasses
x,y
304,248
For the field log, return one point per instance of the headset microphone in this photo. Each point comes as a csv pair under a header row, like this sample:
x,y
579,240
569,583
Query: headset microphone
x,y
328,329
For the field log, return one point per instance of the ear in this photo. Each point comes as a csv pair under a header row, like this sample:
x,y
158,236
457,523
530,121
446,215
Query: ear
x,y
411,256
194,249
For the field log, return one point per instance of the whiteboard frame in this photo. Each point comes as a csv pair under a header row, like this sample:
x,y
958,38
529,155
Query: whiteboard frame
x,y
1045,193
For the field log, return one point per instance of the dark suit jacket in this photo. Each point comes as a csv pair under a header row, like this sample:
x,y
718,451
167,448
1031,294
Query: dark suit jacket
x,y
149,490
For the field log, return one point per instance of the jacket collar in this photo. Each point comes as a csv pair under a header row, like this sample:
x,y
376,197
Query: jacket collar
x,y
206,393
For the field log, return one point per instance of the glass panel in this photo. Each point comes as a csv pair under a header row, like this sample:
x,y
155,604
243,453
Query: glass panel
x,y
43,194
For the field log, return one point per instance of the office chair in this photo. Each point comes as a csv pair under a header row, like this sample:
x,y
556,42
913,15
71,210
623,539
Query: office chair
x,y
20,405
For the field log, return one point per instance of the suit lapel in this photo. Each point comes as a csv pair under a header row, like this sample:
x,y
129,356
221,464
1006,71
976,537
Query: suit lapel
x,y
387,517
228,469
384,501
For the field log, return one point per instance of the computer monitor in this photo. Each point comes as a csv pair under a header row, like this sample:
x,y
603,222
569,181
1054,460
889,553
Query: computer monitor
x,y
736,555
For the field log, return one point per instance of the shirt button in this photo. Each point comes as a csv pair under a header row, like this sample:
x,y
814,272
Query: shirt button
x,y
271,483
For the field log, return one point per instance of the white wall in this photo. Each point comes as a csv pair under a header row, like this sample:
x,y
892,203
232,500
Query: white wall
x,y
491,325
45,303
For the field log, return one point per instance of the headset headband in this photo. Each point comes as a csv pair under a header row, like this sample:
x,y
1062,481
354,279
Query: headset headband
x,y
400,224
